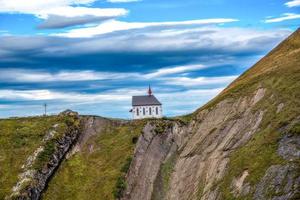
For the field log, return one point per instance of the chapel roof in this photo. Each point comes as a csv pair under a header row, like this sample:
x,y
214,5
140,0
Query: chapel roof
x,y
148,100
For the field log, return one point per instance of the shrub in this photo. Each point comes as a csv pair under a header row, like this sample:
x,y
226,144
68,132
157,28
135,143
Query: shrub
x,y
126,166
295,130
120,187
121,181
161,126
45,155
134,139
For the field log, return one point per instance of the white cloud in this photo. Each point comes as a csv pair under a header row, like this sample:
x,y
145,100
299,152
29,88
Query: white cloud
x,y
199,81
285,16
174,70
122,1
2,106
69,11
31,76
162,39
60,8
21,75
167,76
110,26
293,3
43,95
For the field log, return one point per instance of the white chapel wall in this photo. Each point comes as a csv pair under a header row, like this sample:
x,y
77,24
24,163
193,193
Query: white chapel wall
x,y
141,112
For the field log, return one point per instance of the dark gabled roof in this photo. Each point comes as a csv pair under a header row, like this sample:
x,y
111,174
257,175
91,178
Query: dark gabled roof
x,y
148,100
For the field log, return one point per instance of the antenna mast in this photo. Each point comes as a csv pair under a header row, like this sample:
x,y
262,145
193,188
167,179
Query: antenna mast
x,y
45,106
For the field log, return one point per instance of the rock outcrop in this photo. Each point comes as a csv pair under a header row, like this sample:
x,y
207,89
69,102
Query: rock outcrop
x,y
201,149
38,172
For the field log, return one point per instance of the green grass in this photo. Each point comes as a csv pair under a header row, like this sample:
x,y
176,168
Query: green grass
x,y
43,157
19,138
295,130
162,125
121,184
162,182
256,157
281,79
166,171
96,174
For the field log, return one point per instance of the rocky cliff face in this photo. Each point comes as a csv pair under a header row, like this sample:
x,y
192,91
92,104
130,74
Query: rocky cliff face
x,y
199,152
42,165
242,145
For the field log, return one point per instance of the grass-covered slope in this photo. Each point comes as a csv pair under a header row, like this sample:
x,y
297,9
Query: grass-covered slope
x,y
278,71
19,139
97,171
279,74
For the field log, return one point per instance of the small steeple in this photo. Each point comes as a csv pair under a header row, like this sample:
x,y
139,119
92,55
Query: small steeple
x,y
149,91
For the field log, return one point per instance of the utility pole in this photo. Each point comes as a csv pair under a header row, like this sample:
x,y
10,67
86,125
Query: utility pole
x,y
45,106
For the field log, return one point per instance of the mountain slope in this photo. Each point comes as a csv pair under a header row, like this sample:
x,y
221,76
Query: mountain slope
x,y
244,144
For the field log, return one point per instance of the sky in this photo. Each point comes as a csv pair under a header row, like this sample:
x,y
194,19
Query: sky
x,y
92,56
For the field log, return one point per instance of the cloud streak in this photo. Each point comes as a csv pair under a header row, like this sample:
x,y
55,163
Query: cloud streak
x,y
123,1
115,25
284,17
31,76
61,13
199,81
293,3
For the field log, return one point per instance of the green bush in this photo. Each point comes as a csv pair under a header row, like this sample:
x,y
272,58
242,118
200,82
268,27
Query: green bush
x,y
121,181
45,155
126,166
162,126
120,187
295,130
134,139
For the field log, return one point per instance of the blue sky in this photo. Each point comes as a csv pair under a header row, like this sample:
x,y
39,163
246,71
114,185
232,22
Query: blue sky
x,y
93,55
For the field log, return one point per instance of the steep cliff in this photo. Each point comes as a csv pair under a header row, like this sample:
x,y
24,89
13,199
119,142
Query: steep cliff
x,y
244,144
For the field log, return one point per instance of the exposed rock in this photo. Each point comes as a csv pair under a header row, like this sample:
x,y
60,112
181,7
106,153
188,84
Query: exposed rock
x,y
206,155
203,151
69,112
239,186
280,182
260,93
91,126
152,149
279,108
289,147
33,181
